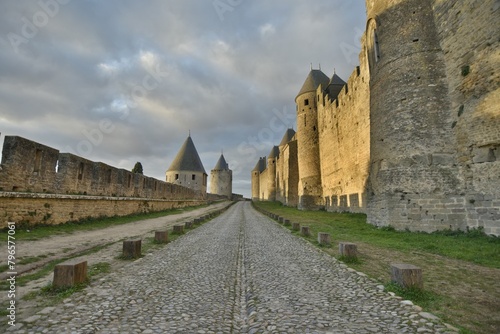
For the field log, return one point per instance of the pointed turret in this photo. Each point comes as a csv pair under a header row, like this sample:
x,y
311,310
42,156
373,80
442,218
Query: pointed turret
x,y
221,178
187,169
287,137
258,169
308,140
221,164
312,82
334,86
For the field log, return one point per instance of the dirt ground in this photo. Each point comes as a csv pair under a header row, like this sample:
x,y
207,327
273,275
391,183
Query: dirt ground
x,y
471,292
70,245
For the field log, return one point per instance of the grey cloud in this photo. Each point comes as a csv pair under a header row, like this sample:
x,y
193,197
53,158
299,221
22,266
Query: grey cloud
x,y
222,79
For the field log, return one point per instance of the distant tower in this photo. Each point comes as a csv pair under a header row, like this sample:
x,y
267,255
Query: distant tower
x,y
259,168
310,192
271,167
187,170
221,179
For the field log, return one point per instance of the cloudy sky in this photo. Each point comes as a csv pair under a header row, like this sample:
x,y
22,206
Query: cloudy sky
x,y
121,81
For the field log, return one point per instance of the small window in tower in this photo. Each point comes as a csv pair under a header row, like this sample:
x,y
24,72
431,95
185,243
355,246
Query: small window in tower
x,y
306,102
176,176
193,177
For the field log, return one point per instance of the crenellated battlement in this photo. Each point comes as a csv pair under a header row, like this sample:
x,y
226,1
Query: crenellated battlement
x,y
28,166
413,137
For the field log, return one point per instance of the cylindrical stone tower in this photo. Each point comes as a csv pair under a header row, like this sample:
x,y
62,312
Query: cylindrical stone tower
x,y
259,168
411,142
310,191
221,179
271,172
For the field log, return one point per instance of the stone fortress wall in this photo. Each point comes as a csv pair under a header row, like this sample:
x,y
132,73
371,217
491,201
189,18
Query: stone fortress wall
x,y
412,139
38,184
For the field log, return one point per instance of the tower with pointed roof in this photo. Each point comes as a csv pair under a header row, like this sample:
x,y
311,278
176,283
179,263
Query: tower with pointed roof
x,y
221,178
309,189
272,159
187,169
287,172
258,169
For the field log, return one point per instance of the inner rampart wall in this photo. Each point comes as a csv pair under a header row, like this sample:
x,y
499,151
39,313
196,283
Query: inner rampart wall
x,y
28,166
344,143
40,185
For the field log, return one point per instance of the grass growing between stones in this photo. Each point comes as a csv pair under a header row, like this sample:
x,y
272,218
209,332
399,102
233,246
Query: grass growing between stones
x,y
461,270
25,232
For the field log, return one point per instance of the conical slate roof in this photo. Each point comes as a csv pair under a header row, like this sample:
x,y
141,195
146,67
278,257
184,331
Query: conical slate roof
x,y
275,153
221,164
313,80
260,166
335,86
336,80
187,159
287,137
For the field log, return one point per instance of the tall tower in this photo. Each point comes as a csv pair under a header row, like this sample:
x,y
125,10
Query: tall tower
x,y
259,168
187,169
271,172
411,142
221,179
308,141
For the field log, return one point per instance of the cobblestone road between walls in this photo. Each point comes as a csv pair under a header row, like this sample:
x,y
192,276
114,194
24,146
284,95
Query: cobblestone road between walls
x,y
239,273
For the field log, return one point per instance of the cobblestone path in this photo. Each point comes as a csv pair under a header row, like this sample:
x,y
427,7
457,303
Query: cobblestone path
x,y
239,273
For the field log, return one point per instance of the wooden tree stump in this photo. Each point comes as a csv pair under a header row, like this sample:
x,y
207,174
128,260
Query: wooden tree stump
x,y
324,239
69,273
178,229
296,226
197,221
188,225
281,220
287,222
348,250
132,249
407,275
161,236
305,231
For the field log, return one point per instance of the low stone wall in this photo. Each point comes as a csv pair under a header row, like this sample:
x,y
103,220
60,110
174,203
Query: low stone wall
x,y
53,209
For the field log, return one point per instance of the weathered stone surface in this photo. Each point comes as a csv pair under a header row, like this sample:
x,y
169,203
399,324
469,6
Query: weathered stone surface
x,y
227,277
416,155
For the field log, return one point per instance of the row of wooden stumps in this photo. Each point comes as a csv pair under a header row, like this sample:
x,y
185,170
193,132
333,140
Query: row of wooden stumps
x,y
74,272
404,274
